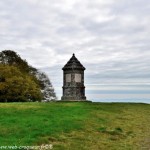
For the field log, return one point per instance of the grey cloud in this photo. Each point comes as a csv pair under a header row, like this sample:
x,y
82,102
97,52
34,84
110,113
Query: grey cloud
x,y
111,38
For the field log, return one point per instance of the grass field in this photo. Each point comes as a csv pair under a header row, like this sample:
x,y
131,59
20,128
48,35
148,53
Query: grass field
x,y
76,125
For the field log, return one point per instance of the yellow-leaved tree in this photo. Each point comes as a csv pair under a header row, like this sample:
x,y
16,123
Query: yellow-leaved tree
x,y
16,86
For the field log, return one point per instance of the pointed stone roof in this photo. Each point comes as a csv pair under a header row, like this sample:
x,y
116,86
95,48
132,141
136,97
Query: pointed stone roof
x,y
73,63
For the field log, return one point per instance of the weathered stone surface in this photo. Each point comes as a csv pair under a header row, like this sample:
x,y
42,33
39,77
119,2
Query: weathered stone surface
x,y
68,77
77,77
73,80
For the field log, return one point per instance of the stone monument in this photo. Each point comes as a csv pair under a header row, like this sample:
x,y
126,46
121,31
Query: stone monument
x,y
73,81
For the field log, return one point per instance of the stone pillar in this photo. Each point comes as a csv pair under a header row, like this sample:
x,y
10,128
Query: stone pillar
x,y
73,81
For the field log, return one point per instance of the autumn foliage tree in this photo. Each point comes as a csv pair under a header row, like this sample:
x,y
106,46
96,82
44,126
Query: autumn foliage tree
x,y
19,82
16,86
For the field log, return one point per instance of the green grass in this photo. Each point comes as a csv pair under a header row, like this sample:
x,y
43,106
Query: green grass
x,y
76,125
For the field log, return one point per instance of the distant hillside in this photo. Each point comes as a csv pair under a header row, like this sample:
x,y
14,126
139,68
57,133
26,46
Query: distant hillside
x,y
22,82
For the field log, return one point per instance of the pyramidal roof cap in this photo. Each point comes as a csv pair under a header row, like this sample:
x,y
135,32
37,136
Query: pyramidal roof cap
x,y
73,63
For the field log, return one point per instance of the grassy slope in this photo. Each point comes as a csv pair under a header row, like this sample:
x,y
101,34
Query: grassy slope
x,y
75,125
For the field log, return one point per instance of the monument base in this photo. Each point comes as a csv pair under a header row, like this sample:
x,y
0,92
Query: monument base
x,y
71,98
84,101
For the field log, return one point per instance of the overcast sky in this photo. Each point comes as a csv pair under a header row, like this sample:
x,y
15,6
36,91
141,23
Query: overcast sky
x,y
111,38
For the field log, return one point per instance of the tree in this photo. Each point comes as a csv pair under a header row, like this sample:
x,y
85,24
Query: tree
x,y
16,86
24,74
46,86
11,58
